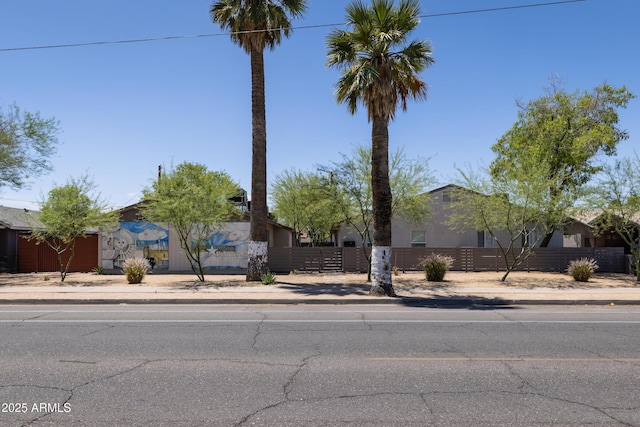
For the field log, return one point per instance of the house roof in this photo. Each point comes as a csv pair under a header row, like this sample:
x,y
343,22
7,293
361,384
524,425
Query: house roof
x,y
451,186
245,216
18,219
589,217
25,220
585,217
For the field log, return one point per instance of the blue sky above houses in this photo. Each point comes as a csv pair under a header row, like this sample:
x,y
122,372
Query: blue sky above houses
x,y
126,108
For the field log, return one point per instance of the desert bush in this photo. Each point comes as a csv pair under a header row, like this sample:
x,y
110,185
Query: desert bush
x,y
268,279
135,269
436,266
98,270
582,269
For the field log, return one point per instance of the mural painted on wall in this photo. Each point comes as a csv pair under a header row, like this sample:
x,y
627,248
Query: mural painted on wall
x,y
228,248
224,249
135,239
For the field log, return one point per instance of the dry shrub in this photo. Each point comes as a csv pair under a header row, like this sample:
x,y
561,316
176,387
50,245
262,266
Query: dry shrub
x,y
582,269
135,269
436,266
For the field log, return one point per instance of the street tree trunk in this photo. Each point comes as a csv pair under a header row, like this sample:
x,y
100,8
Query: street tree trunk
x,y
381,284
257,263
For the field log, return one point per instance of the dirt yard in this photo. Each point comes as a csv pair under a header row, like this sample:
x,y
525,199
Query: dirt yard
x,y
403,281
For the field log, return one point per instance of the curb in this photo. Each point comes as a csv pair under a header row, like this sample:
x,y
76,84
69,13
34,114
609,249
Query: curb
x,y
406,301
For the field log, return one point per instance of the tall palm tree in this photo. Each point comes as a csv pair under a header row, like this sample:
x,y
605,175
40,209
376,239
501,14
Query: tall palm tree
x,y
379,69
256,25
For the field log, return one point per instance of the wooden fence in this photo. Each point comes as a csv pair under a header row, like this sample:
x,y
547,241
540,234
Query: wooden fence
x,y
33,257
283,260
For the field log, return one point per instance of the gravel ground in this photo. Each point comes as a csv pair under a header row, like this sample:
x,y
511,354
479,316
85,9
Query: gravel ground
x,y
407,281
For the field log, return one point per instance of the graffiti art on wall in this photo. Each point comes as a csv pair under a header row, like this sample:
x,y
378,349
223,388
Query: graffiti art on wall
x,y
135,239
228,247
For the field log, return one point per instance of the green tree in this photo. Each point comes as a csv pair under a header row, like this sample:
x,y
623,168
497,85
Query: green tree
x,y
565,132
303,201
380,70
27,141
512,213
256,25
195,202
352,192
66,215
616,196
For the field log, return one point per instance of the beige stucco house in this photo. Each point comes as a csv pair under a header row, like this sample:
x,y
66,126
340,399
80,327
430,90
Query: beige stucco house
x,y
434,232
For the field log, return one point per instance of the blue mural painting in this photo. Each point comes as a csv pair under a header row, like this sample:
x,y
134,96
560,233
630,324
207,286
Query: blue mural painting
x,y
135,239
227,248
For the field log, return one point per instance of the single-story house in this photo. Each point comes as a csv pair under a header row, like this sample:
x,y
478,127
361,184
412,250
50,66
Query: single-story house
x,y
581,232
226,248
18,254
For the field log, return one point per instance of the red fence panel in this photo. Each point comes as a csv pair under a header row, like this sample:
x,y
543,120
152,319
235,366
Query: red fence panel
x,y
34,257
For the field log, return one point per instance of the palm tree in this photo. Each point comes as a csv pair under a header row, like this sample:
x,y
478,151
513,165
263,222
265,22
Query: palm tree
x,y
256,25
379,69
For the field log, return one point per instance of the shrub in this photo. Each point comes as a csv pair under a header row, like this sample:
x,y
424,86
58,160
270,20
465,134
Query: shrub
x,y
98,270
135,269
268,279
436,266
582,269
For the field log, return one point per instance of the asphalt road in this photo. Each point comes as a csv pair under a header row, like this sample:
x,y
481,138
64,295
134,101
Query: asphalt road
x,y
318,365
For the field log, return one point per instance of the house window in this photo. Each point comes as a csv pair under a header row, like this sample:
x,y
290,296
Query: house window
x,y
446,196
418,239
485,239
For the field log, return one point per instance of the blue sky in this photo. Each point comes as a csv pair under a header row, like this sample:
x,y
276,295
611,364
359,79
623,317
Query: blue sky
x,y
126,108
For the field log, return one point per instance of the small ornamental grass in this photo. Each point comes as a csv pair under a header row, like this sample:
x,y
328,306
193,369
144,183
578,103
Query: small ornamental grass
x,y
436,266
135,269
268,279
582,269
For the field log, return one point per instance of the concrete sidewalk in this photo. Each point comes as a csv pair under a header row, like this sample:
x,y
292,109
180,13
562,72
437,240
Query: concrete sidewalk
x,y
312,294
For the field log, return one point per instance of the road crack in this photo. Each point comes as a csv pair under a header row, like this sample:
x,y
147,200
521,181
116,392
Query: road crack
x,y
97,331
72,390
254,343
286,390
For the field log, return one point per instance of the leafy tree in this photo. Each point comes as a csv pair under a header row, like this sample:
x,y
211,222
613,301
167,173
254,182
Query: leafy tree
x,y
66,215
565,132
511,212
409,179
380,70
256,25
616,196
27,141
195,201
303,201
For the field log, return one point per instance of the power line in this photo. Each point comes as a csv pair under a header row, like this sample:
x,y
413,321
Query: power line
x,y
303,27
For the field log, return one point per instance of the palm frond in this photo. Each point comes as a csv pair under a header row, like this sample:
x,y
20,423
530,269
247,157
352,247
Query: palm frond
x,y
257,25
378,68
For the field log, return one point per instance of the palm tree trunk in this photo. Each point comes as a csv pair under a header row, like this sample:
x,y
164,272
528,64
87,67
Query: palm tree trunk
x,y
257,263
381,283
